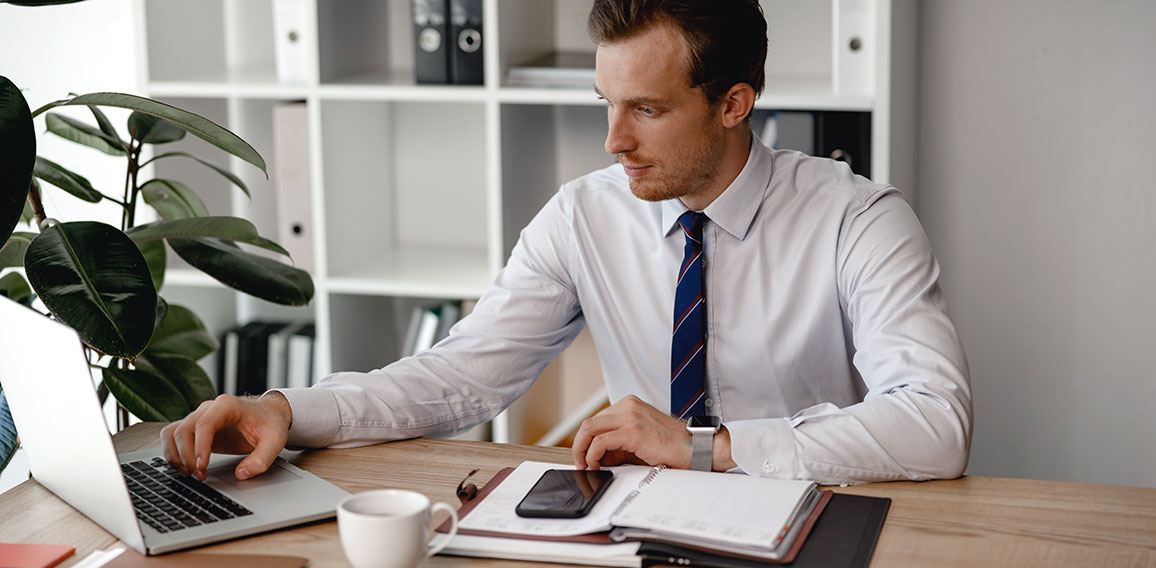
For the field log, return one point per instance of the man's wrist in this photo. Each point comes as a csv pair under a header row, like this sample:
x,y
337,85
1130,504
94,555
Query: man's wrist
x,y
279,404
722,460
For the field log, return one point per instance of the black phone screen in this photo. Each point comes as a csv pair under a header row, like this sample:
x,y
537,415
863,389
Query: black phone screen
x,y
564,493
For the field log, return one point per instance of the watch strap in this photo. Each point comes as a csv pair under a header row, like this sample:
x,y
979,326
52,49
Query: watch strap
x,y
702,449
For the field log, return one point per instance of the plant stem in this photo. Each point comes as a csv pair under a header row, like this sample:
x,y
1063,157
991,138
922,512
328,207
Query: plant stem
x,y
134,168
124,216
37,203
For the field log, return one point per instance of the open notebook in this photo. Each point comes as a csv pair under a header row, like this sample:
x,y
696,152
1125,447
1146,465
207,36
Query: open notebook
x,y
730,514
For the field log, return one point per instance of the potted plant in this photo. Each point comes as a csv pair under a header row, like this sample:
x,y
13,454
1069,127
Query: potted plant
x,y
105,281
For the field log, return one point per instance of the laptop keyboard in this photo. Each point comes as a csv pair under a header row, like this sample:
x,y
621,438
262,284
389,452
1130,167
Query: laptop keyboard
x,y
168,501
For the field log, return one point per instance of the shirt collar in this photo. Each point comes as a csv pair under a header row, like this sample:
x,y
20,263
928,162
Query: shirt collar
x,y
734,209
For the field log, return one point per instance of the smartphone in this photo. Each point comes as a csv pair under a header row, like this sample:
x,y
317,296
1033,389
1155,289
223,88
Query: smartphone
x,y
565,493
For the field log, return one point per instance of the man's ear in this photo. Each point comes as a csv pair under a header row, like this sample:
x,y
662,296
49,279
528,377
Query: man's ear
x,y
737,104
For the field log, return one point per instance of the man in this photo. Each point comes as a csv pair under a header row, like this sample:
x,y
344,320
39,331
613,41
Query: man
x,y
817,285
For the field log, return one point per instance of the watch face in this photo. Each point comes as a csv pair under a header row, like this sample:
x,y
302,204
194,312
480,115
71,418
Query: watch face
x,y
703,422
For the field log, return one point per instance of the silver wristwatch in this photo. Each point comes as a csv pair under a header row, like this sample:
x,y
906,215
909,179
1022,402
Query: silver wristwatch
x,y
702,430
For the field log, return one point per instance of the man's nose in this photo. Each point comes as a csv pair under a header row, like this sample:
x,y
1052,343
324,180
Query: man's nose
x,y
619,137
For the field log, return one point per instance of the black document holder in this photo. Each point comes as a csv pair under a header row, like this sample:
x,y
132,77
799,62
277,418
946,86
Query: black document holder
x,y
844,536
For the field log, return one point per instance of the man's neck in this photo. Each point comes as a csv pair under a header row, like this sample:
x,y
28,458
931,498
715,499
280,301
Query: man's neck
x,y
738,150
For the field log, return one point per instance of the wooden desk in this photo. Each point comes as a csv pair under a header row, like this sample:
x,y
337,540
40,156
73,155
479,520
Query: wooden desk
x,y
973,521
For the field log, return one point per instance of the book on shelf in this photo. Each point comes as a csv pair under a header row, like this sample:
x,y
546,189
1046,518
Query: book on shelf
x,y
559,69
262,355
299,357
429,324
728,515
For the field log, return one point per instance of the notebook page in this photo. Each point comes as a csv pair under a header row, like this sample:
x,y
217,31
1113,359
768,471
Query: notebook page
x,y
496,512
730,508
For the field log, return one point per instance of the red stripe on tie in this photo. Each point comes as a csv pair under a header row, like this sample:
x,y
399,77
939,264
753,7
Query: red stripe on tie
x,y
686,266
693,400
686,361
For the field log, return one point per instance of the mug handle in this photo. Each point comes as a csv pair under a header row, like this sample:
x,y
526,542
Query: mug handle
x,y
453,527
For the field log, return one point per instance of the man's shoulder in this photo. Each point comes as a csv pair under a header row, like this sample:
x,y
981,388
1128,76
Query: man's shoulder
x,y
811,176
608,186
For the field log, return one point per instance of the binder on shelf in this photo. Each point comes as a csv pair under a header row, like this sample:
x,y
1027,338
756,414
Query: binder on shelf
x,y
227,368
839,135
845,136
290,23
253,357
466,65
278,366
432,43
291,178
853,52
299,357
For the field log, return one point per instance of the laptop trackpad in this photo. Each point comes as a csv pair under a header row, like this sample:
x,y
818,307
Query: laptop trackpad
x,y
223,478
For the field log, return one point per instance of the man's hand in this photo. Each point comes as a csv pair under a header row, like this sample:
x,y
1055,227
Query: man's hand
x,y
631,431
230,425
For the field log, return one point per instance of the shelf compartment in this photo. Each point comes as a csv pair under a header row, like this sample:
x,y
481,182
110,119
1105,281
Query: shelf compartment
x,y
403,181
365,42
562,142
214,43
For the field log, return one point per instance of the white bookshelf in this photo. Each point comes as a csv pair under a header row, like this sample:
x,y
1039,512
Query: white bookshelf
x,y
420,191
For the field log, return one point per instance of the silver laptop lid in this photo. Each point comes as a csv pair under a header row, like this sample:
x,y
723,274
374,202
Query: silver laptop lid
x,y
53,401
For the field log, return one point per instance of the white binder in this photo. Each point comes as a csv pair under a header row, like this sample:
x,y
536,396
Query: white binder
x,y
290,26
291,177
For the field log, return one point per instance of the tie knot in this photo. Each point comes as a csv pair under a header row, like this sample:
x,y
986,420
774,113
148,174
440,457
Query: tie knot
x,y
691,223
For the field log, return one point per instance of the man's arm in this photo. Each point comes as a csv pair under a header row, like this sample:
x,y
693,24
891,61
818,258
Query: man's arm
x,y
915,421
492,356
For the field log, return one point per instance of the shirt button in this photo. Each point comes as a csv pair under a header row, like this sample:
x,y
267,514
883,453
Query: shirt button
x,y
709,403
769,467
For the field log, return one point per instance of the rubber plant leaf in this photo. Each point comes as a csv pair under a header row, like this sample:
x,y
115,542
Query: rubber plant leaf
x,y
224,173
181,334
17,156
195,124
65,179
255,275
14,287
227,228
93,278
173,199
150,397
8,437
76,131
153,130
186,375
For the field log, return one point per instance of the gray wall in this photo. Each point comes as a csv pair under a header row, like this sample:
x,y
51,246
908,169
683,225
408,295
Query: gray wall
x,y
1037,135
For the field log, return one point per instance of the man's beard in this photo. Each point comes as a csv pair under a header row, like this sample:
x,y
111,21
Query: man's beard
x,y
699,167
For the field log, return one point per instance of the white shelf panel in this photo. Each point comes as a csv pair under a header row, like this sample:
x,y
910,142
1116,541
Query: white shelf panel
x,y
417,271
190,278
251,83
786,92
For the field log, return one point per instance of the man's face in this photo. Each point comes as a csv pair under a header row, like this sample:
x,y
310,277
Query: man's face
x,y
665,135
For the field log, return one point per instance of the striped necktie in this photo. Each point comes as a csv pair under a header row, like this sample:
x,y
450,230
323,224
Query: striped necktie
x,y
688,348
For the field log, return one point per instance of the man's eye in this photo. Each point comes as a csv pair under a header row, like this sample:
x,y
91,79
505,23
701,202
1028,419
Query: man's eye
x,y
648,111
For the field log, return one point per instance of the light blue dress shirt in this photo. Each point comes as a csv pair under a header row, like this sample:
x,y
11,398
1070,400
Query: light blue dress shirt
x,y
830,353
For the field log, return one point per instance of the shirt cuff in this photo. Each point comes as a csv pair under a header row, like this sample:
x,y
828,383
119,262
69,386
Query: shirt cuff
x,y
315,417
764,447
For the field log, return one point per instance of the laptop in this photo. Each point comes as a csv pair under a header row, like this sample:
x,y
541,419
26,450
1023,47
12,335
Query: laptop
x,y
62,428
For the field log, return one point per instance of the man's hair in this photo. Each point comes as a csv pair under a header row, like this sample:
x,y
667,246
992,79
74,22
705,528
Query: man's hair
x,y
727,38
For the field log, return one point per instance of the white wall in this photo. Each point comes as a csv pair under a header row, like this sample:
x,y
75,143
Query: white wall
x,y
49,52
1037,135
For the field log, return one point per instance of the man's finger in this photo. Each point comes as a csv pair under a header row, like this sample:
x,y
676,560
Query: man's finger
x,y
601,444
183,442
266,450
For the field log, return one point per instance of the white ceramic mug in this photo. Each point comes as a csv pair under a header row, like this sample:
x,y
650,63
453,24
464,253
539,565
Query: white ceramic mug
x,y
389,528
